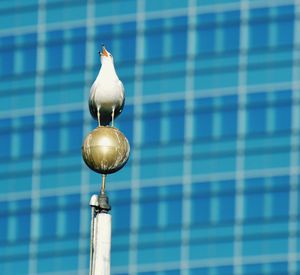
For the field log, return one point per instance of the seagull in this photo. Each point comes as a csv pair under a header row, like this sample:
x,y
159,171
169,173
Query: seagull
x,y
107,96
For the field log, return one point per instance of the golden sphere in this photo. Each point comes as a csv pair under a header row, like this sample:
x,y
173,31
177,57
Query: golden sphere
x,y
105,150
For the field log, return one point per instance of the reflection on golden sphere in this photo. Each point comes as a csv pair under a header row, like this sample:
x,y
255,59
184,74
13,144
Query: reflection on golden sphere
x,y
105,150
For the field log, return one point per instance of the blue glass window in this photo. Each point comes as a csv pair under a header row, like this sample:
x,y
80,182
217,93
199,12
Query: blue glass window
x,y
51,131
28,52
65,11
231,31
200,200
224,270
48,217
212,2
172,272
7,56
265,245
280,203
121,209
23,216
125,122
279,268
5,138
170,206
226,211
74,130
108,9
203,118
165,5
216,117
228,112
159,253
178,33
127,43
165,82
206,33
202,271
154,39
285,26
18,15
282,109
256,113
104,34
71,211
57,262
259,28
54,52
4,217
175,121
252,269
148,207
15,265
210,248
151,123
26,136
77,47
254,201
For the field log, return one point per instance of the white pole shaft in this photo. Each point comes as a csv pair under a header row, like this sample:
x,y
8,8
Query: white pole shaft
x,y
92,240
102,244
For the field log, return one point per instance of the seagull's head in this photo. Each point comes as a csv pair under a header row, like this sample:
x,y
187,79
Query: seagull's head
x,y
105,55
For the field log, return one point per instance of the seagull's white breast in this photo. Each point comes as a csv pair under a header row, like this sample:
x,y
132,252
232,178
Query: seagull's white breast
x,y
107,91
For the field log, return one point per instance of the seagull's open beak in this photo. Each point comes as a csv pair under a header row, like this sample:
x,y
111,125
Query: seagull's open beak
x,y
104,51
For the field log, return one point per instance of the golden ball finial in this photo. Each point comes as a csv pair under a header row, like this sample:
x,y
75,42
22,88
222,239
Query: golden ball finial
x,y
105,150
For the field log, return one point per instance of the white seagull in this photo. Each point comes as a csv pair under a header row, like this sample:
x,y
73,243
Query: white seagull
x,y
107,96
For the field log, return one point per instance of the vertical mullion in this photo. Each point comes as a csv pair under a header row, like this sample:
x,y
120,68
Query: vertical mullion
x,y
188,137
294,155
137,136
240,144
37,147
84,181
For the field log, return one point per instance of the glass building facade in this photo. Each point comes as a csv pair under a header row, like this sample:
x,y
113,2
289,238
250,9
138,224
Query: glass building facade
x,y
212,115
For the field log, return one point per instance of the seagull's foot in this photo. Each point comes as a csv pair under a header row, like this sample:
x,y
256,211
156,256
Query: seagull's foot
x,y
98,116
103,183
113,118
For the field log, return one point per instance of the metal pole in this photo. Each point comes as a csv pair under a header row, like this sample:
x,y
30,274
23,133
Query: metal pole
x,y
100,243
91,241
94,205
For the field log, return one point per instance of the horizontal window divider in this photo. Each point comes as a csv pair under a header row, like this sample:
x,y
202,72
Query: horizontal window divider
x,y
152,61
263,190
56,154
